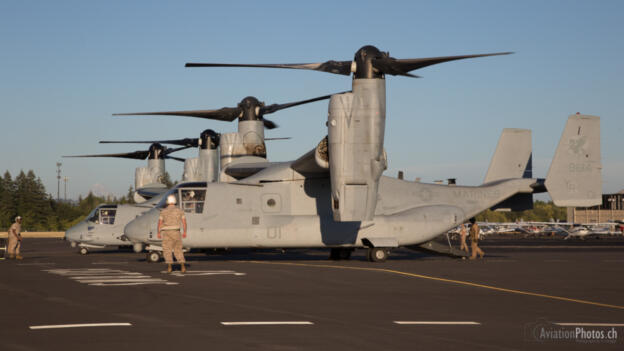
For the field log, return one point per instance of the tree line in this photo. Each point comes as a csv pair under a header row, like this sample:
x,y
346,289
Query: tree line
x,y
26,196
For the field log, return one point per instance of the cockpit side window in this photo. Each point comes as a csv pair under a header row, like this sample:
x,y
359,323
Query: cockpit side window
x,y
192,200
107,216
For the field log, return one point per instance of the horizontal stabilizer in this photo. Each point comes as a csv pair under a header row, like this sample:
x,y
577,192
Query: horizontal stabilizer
x,y
512,158
574,177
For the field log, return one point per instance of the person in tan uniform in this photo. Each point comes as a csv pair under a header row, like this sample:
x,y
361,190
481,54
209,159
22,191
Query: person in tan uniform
x,y
462,238
15,239
474,238
169,230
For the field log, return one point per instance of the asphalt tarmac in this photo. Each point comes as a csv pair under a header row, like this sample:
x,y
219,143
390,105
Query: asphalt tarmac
x,y
526,294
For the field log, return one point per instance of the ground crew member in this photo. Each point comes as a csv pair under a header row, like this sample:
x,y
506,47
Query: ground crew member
x,y
474,238
169,231
462,237
15,239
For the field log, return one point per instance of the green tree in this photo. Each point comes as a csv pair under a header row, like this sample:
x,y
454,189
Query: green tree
x,y
32,202
7,201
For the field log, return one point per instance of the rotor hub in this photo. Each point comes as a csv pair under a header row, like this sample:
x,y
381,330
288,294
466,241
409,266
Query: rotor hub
x,y
364,62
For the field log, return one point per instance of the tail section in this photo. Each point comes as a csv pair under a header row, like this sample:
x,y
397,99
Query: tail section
x,y
512,158
574,177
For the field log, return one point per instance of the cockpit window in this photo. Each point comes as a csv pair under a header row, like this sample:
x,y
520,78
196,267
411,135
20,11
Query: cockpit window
x,y
107,216
185,188
193,200
94,216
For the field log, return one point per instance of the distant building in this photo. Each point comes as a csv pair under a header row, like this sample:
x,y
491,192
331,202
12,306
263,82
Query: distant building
x,y
612,209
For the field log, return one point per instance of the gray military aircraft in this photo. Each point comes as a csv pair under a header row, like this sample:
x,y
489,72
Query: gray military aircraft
x,y
334,196
104,225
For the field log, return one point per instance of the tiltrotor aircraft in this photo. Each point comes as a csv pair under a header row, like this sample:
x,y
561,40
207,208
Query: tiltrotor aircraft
x,y
335,196
104,225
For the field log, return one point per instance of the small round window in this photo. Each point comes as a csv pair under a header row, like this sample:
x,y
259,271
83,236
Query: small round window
x,y
271,202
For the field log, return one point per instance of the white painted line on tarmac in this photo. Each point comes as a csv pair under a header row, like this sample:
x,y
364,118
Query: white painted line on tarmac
x,y
122,262
436,323
109,277
203,273
268,323
59,326
591,324
612,261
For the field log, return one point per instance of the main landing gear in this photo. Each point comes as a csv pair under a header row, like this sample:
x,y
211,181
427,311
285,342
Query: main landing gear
x,y
83,251
153,256
339,253
378,254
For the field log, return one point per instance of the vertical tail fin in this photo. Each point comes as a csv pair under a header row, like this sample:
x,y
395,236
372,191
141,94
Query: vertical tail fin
x,y
574,177
512,158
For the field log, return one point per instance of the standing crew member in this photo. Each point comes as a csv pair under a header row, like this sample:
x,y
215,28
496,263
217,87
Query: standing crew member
x,y
474,238
169,226
15,239
462,238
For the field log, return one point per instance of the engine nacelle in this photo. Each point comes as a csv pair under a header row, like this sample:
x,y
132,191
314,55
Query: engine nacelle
x,y
356,124
204,168
152,174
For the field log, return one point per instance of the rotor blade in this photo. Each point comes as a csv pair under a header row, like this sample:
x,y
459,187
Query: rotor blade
x,y
170,151
224,114
268,124
276,107
336,67
191,142
175,158
390,65
137,155
282,138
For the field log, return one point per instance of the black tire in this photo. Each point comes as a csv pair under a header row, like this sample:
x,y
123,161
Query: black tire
x,y
334,254
377,254
83,251
345,254
153,257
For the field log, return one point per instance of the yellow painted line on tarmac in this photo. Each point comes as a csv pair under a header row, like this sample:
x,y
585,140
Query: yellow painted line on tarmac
x,y
445,280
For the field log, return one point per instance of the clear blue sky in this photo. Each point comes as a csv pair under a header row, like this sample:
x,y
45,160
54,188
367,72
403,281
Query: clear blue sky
x,y
66,66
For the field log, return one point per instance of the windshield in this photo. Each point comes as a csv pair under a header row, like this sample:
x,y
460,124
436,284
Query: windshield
x,y
93,215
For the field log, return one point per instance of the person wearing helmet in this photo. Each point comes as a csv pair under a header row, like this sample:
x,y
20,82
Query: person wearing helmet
x,y
171,217
15,239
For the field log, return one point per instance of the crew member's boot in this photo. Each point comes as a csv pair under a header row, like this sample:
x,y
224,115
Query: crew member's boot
x,y
18,257
182,268
169,269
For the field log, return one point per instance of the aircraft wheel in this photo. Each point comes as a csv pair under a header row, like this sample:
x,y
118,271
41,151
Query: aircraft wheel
x,y
138,247
83,251
377,254
345,254
335,254
153,256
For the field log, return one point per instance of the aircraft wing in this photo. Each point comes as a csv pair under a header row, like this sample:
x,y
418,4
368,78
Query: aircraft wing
x,y
308,164
244,170
151,190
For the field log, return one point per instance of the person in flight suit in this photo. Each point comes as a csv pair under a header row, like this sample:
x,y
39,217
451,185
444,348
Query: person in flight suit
x,y
474,238
15,239
462,238
169,230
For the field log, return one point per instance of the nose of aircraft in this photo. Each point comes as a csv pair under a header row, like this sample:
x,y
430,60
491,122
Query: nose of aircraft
x,y
73,234
139,229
